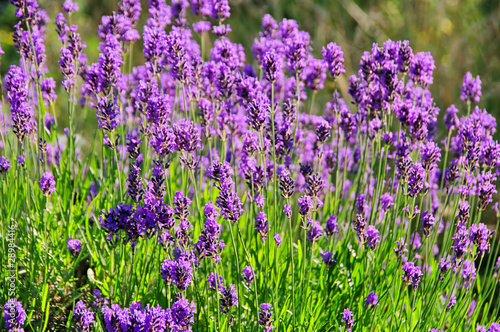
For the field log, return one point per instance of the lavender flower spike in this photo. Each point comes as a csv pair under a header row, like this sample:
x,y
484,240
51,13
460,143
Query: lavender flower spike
x,y
14,315
334,59
47,183
265,317
471,88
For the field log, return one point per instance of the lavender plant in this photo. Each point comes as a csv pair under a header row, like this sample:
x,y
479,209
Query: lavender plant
x,y
216,197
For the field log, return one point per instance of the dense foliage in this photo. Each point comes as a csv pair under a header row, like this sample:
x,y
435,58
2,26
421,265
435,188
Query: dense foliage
x,y
212,198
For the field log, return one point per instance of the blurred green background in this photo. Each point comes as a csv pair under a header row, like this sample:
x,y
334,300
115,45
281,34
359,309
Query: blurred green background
x,y
462,35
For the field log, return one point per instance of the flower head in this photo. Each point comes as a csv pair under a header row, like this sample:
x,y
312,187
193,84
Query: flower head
x,y
14,315
47,183
74,246
348,319
471,88
371,300
265,317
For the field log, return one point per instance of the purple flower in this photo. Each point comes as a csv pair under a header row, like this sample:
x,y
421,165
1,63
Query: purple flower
x,y
468,273
494,327
74,246
271,66
471,88
430,154
480,236
115,317
84,317
386,201
47,183
287,210
220,172
348,319
47,87
4,165
221,10
421,68
262,225
416,179
451,302
486,189
315,233
277,239
451,118
443,266
371,237
221,30
214,281
411,274
248,274
187,135
460,241
229,298
135,190
69,6
107,113
209,244
110,62
327,258
297,50
331,226
258,111
265,317
306,204
315,74
334,59
202,27
323,131
183,314
163,139
427,220
20,109
371,300
181,206
178,272
14,315
229,202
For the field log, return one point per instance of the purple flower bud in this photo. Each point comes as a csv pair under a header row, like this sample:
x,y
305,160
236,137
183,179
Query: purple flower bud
x,y
214,281
4,165
47,183
69,6
229,298
421,68
271,66
221,30
14,315
327,258
262,225
427,220
202,27
74,246
265,317
83,317
371,237
334,59
411,274
371,300
468,273
347,318
471,88
248,274
277,239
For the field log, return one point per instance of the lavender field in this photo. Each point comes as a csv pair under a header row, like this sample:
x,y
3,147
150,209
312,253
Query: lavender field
x,y
175,183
